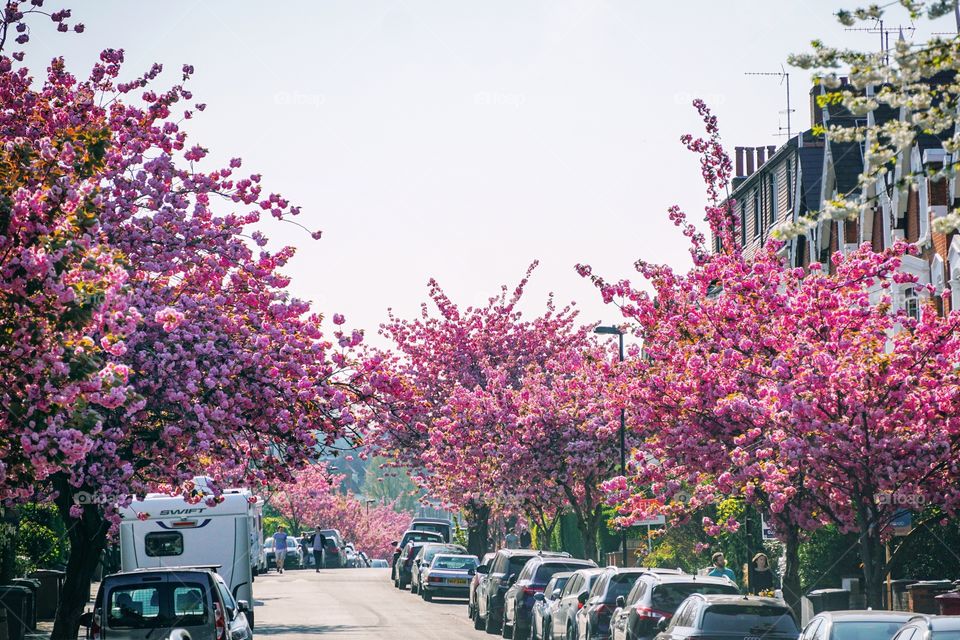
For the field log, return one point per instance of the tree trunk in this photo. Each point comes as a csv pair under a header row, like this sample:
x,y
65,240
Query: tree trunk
x,y
874,563
588,523
791,572
478,528
88,539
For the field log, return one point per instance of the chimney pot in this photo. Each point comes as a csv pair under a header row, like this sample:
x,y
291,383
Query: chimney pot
x,y
761,156
749,155
739,161
771,149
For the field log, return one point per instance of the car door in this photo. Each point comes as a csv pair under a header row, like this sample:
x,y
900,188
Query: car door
x,y
682,622
490,581
238,626
568,601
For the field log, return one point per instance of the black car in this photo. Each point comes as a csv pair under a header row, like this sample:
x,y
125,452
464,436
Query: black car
x,y
730,617
851,625
518,601
404,568
495,582
656,595
593,620
398,547
922,627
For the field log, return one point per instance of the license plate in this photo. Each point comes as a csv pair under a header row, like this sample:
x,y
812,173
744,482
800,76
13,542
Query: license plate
x,y
457,581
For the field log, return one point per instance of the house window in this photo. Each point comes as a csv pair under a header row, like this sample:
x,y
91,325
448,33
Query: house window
x,y
743,226
789,185
774,199
757,219
911,303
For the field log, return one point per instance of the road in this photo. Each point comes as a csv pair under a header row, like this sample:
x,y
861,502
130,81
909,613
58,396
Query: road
x,y
354,604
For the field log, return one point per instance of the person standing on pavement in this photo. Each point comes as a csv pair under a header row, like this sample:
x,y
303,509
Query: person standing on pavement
x,y
720,569
319,542
280,547
761,575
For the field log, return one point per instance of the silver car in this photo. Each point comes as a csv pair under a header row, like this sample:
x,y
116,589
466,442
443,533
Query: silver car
x,y
447,576
138,605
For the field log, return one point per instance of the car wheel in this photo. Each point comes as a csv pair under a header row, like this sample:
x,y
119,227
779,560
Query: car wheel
x,y
571,633
518,633
426,596
489,624
477,621
506,631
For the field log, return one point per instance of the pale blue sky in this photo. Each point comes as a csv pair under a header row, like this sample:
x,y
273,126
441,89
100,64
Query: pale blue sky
x,y
462,140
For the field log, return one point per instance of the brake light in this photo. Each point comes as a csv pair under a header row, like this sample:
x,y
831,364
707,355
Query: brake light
x,y
220,623
531,590
602,608
652,614
434,579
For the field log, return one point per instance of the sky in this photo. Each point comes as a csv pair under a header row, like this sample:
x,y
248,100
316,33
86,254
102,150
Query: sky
x,y
462,140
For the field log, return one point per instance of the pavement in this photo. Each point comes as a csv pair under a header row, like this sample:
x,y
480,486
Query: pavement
x,y
354,604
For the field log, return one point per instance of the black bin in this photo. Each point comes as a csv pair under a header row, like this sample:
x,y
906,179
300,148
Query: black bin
x,y
13,599
34,586
48,596
829,600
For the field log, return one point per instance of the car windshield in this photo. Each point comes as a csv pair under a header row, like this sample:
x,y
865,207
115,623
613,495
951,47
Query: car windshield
x,y
559,583
268,544
431,526
946,635
516,564
546,571
667,597
864,630
291,543
620,585
749,619
454,562
422,536
162,604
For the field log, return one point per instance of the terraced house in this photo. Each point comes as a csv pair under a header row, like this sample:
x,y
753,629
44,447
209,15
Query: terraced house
x,y
775,185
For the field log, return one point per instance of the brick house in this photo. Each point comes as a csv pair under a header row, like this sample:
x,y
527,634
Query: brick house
x,y
775,185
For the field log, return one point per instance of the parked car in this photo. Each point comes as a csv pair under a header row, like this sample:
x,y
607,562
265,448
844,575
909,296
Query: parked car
x,y
133,604
405,567
293,559
349,556
495,582
333,556
924,627
437,525
379,563
593,620
853,625
544,603
408,535
421,561
518,600
447,576
563,622
656,595
474,583
730,616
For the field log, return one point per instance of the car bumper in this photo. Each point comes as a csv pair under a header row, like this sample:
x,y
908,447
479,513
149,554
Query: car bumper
x,y
446,591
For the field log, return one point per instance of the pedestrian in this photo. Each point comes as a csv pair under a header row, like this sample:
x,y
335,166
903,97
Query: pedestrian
x,y
280,547
760,577
319,542
720,569
525,539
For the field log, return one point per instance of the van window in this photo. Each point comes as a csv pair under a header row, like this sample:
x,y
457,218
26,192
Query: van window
x,y
189,605
164,543
133,607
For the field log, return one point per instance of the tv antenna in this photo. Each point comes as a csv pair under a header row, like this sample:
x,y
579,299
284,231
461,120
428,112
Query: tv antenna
x,y
784,79
884,35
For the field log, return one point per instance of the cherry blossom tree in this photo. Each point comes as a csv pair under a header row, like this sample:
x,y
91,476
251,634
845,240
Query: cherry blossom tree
x,y
153,332
447,430
800,391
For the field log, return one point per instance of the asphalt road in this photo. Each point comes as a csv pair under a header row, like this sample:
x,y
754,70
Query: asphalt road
x,y
355,604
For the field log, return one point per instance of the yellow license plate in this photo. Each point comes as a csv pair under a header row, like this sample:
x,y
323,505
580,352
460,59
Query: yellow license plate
x,y
457,581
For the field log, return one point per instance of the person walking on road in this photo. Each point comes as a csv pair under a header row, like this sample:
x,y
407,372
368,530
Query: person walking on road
x,y
319,542
280,547
720,569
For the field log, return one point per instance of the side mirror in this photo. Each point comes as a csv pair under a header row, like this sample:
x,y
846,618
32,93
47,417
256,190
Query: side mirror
x,y
243,606
472,572
555,594
86,619
621,601
417,562
538,597
394,543
512,578
483,569
662,624
582,598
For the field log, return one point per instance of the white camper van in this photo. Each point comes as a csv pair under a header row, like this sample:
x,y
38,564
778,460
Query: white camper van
x,y
167,531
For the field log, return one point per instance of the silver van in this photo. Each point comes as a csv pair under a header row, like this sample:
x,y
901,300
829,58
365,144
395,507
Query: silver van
x,y
150,603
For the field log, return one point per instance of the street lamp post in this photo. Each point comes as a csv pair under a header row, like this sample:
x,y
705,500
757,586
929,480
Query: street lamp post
x,y
615,331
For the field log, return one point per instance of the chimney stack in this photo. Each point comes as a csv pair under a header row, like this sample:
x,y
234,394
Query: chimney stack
x,y
771,149
739,162
749,160
761,156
